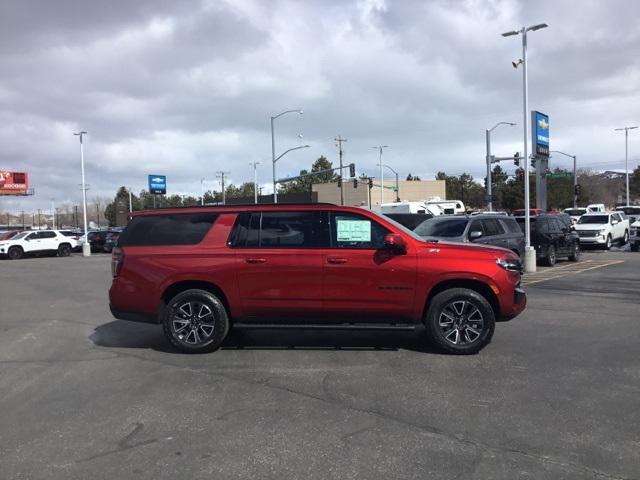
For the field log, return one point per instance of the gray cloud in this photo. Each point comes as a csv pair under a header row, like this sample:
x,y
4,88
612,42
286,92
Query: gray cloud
x,y
186,88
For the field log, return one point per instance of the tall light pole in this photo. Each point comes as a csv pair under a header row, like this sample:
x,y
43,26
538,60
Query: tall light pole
x,y
202,191
86,248
575,175
273,150
221,175
53,213
255,181
489,186
379,148
529,251
626,156
130,201
397,182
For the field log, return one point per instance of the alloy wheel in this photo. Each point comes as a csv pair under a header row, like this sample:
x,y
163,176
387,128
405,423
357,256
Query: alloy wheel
x,y
461,322
193,323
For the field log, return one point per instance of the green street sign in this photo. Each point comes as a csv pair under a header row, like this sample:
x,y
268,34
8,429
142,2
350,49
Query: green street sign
x,y
559,175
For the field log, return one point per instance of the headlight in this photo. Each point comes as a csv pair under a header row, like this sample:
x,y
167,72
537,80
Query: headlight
x,y
511,265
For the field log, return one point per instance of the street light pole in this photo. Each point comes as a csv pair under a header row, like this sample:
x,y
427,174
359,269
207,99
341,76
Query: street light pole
x,y
130,201
397,182
86,248
489,181
202,191
255,181
221,175
273,151
575,174
626,156
530,253
379,148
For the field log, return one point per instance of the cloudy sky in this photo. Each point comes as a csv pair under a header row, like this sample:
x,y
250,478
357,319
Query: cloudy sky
x,y
186,88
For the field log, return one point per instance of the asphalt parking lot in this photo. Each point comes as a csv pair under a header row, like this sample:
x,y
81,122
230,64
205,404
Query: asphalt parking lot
x,y
554,396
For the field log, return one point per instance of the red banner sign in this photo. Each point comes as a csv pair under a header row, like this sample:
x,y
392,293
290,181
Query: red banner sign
x,y
14,183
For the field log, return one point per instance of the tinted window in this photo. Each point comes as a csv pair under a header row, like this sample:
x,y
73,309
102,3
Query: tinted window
x,y
555,226
291,230
68,233
33,236
179,229
510,225
593,219
349,230
542,225
492,227
47,234
450,227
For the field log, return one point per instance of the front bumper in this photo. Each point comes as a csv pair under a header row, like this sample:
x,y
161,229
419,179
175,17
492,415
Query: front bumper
x,y
599,240
518,305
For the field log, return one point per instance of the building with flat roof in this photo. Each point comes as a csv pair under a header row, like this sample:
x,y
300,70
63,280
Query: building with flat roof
x,y
359,196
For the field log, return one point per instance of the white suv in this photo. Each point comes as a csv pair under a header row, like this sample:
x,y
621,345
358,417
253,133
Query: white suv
x,y
36,242
602,228
634,239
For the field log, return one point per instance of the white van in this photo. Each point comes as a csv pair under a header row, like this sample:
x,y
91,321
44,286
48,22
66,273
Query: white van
x,y
449,207
411,207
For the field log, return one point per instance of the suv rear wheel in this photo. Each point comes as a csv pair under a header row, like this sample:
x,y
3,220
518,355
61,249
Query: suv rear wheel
x,y
550,259
64,250
195,321
460,321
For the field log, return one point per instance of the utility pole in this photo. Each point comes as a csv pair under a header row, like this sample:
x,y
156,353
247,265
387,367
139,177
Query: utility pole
x,y
130,201
75,216
53,216
339,141
86,248
220,174
202,191
379,148
626,156
255,181
38,219
22,219
98,213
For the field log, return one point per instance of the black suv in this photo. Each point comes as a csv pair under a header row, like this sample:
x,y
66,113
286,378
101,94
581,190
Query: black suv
x,y
552,238
497,230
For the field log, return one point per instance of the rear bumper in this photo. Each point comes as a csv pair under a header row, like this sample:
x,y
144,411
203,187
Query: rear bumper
x,y
134,316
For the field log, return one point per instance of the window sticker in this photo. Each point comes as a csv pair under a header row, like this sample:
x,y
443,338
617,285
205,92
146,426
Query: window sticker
x,y
353,230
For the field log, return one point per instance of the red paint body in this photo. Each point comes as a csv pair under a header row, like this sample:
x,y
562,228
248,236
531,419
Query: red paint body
x,y
331,285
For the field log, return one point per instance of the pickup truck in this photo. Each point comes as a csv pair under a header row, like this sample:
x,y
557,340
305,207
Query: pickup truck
x,y
602,229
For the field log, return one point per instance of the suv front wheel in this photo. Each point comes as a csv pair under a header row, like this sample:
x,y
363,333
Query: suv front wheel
x,y
460,321
195,321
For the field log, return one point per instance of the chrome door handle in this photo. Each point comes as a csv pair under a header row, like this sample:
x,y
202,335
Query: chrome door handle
x,y
336,260
255,260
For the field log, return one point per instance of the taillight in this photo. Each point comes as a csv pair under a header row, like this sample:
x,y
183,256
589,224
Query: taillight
x,y
117,261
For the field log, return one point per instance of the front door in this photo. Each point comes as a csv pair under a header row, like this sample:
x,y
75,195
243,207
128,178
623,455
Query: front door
x,y
363,282
280,264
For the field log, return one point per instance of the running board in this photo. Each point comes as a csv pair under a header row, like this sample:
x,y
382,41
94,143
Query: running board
x,y
321,326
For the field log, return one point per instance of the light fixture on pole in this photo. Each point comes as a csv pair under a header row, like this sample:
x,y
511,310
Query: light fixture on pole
x,y
202,191
397,181
255,181
575,175
380,163
489,186
626,156
86,248
221,175
529,253
273,150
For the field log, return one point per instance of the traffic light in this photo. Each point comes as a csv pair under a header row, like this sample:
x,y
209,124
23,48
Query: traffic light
x,y
516,159
352,170
533,163
355,182
370,183
340,182
577,189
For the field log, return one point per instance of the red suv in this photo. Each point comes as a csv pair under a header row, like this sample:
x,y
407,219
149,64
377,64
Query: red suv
x,y
201,271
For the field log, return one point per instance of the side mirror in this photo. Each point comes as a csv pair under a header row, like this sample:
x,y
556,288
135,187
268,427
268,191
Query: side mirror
x,y
395,243
475,235
614,222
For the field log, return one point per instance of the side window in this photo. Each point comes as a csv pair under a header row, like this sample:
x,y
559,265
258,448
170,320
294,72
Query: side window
x,y
492,227
510,225
47,234
543,225
178,229
33,236
476,226
349,230
292,230
246,231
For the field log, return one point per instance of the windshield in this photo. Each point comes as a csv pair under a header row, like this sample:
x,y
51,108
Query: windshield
x,y
399,226
593,219
20,235
575,211
447,228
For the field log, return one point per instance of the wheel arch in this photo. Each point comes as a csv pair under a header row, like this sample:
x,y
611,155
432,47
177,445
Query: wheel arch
x,y
182,285
476,285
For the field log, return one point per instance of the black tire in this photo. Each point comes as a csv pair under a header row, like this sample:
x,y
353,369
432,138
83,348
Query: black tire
x,y
205,317
476,314
634,247
575,255
550,258
625,239
15,253
607,246
64,250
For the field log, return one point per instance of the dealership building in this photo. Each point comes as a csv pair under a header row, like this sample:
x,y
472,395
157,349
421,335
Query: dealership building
x,y
359,196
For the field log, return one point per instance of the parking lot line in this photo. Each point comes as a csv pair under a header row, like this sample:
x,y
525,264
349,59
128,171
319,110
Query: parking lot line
x,y
565,273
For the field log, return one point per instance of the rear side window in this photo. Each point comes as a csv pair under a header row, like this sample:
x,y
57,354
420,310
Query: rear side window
x,y
178,229
47,235
510,225
280,230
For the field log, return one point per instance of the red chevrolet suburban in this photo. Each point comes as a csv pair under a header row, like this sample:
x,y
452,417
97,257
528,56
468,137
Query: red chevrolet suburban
x,y
201,271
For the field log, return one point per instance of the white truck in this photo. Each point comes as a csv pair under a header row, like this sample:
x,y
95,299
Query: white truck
x,y
36,242
602,229
575,213
450,207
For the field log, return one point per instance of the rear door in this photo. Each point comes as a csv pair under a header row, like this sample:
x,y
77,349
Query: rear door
x,y
363,282
562,235
279,273
48,240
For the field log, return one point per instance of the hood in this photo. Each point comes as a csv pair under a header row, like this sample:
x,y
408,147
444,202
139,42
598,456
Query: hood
x,y
472,248
590,226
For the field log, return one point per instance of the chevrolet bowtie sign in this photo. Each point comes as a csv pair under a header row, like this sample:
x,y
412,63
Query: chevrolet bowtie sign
x,y
540,134
158,184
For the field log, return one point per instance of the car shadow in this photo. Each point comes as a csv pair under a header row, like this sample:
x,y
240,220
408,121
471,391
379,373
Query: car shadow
x,y
124,334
